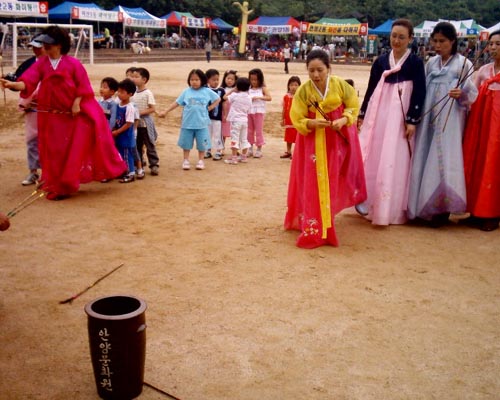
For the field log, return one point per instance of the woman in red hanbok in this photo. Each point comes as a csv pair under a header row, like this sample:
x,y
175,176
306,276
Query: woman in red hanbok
x,y
327,169
482,145
75,142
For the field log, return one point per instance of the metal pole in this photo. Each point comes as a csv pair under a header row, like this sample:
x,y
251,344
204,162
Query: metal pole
x,y
14,45
91,45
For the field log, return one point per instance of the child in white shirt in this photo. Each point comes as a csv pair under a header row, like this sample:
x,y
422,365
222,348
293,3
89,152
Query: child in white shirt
x,y
240,103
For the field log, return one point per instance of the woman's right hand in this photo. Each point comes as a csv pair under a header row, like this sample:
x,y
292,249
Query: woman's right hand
x,y
359,123
5,83
317,124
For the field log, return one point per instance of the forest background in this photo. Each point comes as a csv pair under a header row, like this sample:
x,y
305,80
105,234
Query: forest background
x,y
375,12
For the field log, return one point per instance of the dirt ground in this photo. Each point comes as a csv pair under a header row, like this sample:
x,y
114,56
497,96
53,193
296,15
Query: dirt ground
x,y
235,310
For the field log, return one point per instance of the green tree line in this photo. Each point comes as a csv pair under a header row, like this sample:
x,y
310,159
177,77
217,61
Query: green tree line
x,y
375,12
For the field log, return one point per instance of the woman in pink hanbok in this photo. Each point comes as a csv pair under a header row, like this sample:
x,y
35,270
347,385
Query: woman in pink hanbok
x,y
389,114
74,139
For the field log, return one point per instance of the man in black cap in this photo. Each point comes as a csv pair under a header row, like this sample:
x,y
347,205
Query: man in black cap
x,y
28,105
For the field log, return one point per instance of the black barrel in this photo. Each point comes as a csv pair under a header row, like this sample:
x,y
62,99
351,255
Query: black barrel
x,y
117,339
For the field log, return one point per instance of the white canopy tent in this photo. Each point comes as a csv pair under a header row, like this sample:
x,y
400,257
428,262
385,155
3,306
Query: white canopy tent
x,y
493,28
484,34
465,27
140,18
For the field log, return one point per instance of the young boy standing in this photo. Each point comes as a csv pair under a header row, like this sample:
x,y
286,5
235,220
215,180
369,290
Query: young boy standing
x,y
123,131
215,127
146,131
108,88
139,171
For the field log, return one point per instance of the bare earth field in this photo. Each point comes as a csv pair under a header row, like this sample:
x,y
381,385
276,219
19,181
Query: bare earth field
x,y
235,310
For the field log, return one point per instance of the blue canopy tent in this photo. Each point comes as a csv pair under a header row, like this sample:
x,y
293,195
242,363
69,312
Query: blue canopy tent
x,y
63,10
384,29
221,25
274,21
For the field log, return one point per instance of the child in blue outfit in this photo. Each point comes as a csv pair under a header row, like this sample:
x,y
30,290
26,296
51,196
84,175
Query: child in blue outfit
x,y
215,127
108,88
197,101
123,131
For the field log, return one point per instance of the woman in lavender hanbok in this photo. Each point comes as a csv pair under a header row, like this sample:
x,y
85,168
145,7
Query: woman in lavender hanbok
x,y
389,115
437,183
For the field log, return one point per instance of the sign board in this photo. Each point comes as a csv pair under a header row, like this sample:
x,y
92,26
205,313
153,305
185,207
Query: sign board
x,y
144,23
94,14
335,30
270,29
24,8
189,22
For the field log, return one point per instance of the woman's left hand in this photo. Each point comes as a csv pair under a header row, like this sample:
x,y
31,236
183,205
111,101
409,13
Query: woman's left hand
x,y
455,93
75,110
410,130
338,123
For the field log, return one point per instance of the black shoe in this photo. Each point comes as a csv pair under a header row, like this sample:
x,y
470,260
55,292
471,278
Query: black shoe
x,y
439,220
470,221
489,224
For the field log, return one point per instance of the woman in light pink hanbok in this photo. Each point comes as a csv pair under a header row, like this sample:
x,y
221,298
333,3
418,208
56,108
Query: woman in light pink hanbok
x,y
74,139
390,112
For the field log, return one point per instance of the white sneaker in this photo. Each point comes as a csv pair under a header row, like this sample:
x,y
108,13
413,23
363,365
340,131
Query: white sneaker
x,y
186,165
200,165
232,161
250,152
31,179
258,154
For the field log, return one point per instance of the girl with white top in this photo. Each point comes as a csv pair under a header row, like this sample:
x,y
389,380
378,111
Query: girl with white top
x,y
259,95
241,103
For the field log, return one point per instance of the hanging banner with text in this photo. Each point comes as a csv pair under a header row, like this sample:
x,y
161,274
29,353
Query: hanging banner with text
x,y
144,23
483,36
335,30
270,29
371,44
201,23
24,8
94,14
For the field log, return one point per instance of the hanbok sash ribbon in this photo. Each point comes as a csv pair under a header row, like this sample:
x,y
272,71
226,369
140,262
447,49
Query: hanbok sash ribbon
x,y
322,178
